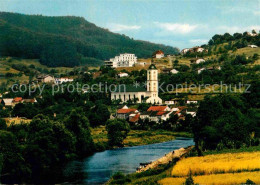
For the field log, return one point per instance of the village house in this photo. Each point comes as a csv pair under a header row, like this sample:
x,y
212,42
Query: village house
x,y
157,113
158,54
191,111
134,118
192,102
252,46
201,69
184,51
45,79
32,100
17,100
63,80
7,102
197,60
120,75
125,112
137,93
123,60
169,102
174,71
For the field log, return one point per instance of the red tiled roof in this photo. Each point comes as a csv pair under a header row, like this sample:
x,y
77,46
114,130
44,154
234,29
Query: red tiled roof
x,y
135,118
182,107
160,113
159,52
125,111
17,99
157,108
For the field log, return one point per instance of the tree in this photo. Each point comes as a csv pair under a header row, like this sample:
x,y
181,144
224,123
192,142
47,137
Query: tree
x,y
189,180
117,131
3,125
78,124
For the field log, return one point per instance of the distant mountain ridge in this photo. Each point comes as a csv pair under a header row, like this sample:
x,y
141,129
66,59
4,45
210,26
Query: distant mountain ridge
x,y
66,40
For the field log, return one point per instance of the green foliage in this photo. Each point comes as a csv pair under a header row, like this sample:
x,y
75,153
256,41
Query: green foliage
x,y
3,125
78,124
66,41
117,131
189,180
248,181
223,121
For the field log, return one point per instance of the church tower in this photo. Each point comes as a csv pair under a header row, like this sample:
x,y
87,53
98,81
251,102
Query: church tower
x,y
152,81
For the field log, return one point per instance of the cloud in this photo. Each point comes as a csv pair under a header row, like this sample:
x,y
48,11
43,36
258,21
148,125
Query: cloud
x,y
199,41
176,28
121,27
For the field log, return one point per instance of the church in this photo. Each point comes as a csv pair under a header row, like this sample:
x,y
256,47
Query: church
x,y
137,93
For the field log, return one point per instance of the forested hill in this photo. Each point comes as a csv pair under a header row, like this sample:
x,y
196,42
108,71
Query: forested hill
x,y
66,40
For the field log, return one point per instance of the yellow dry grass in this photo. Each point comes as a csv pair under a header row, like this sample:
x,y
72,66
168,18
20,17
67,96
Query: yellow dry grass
x,y
219,179
221,163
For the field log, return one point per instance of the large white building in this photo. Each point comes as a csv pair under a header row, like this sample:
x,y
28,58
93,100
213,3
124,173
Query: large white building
x,y
137,93
123,60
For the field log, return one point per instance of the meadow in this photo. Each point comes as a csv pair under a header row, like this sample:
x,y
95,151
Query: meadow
x,y
220,163
220,179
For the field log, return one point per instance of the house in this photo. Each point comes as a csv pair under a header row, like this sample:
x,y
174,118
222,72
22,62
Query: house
x,y
125,112
7,102
123,60
120,75
45,79
192,102
63,80
138,93
184,51
17,100
197,61
32,100
169,102
135,118
158,54
252,46
198,49
191,111
251,34
157,113
174,71
201,69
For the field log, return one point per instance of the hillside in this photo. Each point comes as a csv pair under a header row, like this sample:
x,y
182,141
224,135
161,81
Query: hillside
x,y
66,40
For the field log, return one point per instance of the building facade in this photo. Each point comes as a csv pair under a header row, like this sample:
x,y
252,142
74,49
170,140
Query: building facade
x,y
123,60
137,93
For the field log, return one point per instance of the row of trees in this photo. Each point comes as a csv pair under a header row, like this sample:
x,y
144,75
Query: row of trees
x,y
228,121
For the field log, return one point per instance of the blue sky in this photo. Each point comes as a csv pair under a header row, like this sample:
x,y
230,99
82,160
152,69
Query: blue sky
x,y
180,23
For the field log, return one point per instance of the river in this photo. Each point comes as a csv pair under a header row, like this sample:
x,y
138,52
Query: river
x,y
98,168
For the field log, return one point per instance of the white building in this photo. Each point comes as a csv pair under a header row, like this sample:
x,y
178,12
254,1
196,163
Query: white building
x,y
158,54
137,93
252,46
200,70
197,61
123,60
45,79
62,80
174,71
184,51
122,75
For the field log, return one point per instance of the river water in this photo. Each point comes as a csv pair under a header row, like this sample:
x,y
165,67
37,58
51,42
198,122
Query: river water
x,y
98,168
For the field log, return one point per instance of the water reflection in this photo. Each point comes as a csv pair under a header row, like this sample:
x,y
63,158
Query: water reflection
x,y
99,167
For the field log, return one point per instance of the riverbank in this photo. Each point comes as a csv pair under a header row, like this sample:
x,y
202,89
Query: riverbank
x,y
166,173
138,137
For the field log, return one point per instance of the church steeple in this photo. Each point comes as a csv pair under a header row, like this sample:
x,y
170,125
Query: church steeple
x,y
152,80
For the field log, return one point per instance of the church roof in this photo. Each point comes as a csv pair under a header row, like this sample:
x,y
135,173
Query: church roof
x,y
152,66
129,88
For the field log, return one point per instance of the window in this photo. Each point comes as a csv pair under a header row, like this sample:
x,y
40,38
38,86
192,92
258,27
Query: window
x,y
115,97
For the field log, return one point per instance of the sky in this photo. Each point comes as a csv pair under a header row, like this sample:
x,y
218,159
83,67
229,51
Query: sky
x,y
178,23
